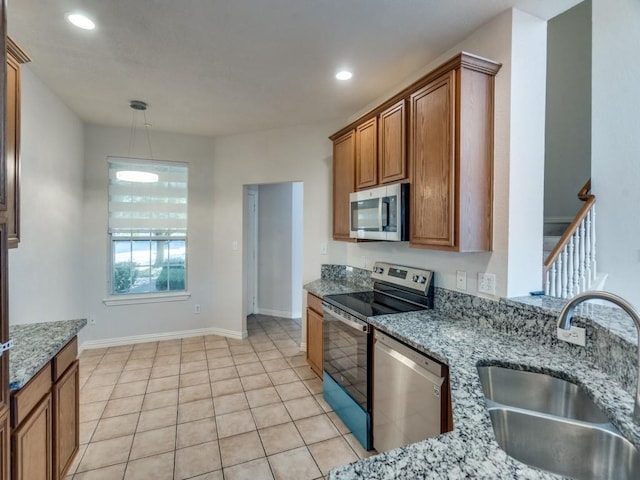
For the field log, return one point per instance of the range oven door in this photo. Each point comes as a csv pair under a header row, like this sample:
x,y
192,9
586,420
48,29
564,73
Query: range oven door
x,y
347,385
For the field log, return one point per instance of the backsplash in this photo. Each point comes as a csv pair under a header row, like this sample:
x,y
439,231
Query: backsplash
x,y
343,273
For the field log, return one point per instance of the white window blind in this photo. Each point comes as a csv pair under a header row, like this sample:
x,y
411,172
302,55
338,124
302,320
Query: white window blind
x,y
148,208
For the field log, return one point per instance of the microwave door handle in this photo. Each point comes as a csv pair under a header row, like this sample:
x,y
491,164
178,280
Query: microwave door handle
x,y
385,213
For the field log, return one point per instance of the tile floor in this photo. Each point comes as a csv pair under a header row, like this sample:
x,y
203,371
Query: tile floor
x,y
208,408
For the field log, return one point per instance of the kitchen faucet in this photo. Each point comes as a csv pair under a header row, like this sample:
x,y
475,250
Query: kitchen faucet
x,y
564,322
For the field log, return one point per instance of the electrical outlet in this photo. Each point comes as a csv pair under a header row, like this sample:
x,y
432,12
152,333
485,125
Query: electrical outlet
x,y
487,283
196,308
92,319
575,335
461,280
363,259
234,245
323,248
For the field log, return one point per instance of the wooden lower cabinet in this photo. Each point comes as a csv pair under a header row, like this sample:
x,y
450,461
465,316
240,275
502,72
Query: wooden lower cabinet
x,y
66,427
315,342
32,444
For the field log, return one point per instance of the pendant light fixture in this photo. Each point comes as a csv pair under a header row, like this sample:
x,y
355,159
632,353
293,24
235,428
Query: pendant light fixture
x,y
137,175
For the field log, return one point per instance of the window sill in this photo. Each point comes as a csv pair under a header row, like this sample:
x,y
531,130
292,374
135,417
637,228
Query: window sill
x,y
146,298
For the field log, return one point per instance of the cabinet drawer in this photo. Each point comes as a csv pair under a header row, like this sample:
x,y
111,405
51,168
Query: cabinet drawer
x,y
314,303
25,399
64,358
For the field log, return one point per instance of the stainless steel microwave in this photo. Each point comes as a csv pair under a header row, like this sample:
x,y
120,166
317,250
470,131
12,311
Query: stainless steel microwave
x,y
380,213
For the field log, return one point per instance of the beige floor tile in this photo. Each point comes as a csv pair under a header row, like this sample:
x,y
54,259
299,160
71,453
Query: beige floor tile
x,y
113,427
275,364
196,392
105,453
342,428
101,380
194,356
245,358
120,349
165,370
316,429
226,387
289,391
140,354
263,396
234,423
254,470
86,431
332,453
136,364
123,406
194,433
160,399
153,442
194,378
92,352
188,412
134,375
314,385
283,376
270,415
168,360
115,358
96,394
91,411
197,460
302,407
76,460
279,438
145,346
163,383
217,475
241,349
250,369
168,350
129,389
305,372
218,353
192,344
199,366
157,467
253,382
223,373
108,368
215,342
266,351
230,403
220,362
295,464
114,472
323,403
290,352
240,449
357,447
157,418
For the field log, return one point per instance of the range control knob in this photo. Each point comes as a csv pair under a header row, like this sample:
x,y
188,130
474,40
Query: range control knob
x,y
422,279
378,270
415,278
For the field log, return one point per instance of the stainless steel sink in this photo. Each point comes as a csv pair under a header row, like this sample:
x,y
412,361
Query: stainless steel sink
x,y
539,392
563,446
552,424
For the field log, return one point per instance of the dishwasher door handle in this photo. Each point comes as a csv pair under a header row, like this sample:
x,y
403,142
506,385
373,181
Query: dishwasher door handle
x,y
435,379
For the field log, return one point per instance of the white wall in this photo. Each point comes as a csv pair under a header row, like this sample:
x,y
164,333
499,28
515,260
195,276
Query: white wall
x,y
46,275
568,119
297,242
275,251
517,40
615,147
297,154
155,318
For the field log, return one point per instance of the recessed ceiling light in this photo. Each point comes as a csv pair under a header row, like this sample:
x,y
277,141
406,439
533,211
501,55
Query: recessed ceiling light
x,y
344,75
81,21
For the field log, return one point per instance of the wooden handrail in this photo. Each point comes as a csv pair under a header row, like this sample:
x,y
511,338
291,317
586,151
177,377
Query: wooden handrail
x,y
589,199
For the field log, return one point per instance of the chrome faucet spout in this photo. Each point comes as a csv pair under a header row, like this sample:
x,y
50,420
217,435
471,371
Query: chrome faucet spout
x,y
564,322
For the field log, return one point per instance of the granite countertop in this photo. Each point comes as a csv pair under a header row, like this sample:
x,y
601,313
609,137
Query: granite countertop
x,y
323,287
35,344
470,450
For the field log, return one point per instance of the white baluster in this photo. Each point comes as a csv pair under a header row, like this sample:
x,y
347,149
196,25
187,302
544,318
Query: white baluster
x,y
588,241
559,276
552,280
547,290
565,277
583,256
594,270
570,268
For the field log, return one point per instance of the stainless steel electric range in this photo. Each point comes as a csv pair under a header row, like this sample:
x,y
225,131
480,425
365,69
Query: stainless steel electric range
x,y
348,339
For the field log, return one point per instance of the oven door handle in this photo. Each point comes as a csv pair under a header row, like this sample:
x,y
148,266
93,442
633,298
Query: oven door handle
x,y
363,327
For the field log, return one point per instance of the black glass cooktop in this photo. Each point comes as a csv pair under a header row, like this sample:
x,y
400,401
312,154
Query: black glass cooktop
x,y
370,304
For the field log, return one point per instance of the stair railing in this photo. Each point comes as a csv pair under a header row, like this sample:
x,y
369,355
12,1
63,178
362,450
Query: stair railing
x,y
570,268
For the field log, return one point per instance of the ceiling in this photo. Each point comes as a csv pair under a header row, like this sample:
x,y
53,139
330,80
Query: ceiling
x,y
219,67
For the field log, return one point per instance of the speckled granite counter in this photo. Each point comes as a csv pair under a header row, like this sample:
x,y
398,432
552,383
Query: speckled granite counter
x,y
36,344
482,332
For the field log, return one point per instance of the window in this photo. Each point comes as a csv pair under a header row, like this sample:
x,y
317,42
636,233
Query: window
x,y
147,226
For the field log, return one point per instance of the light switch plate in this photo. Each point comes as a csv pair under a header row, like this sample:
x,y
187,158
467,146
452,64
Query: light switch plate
x,y
461,280
575,335
487,283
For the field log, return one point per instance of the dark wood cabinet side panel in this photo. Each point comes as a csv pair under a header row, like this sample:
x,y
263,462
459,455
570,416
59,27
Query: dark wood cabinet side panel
x,y
343,184
12,151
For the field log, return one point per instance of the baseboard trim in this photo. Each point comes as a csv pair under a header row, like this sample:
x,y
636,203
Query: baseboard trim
x,y
156,337
278,313
303,346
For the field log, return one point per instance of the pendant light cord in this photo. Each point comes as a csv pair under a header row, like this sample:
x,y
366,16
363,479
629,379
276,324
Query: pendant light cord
x,y
146,129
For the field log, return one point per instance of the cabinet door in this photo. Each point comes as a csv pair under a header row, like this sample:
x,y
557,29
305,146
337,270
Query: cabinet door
x,y
392,153
32,459
5,445
314,341
343,184
367,154
432,124
66,427
12,145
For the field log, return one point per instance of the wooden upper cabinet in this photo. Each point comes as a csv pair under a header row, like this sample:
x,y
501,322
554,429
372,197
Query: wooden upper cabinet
x,y
343,183
392,158
367,154
15,57
451,158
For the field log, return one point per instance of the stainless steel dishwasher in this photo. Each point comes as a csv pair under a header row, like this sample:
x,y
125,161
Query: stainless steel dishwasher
x,y
409,402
